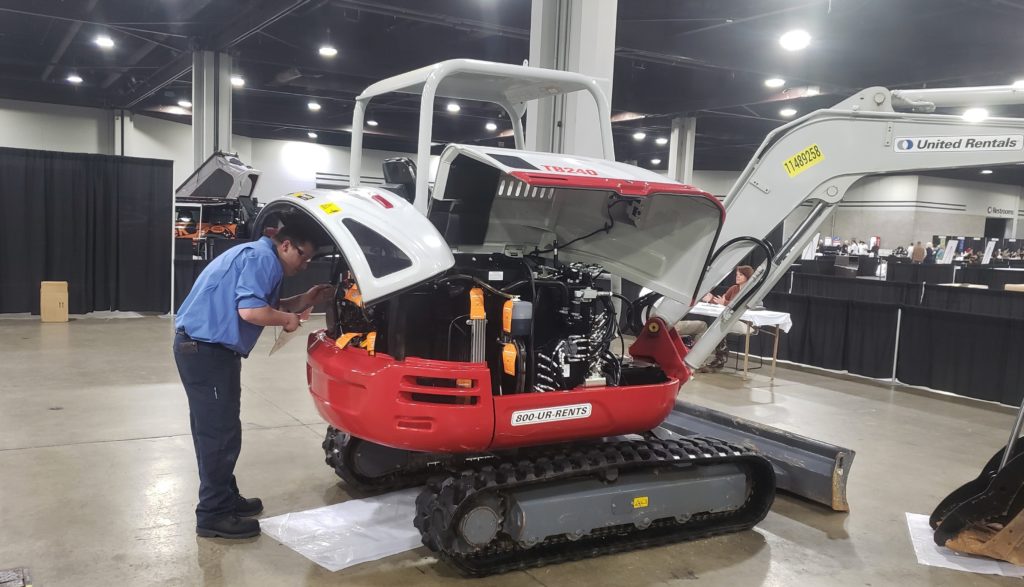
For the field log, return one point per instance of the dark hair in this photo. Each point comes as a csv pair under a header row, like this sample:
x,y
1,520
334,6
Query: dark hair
x,y
298,229
745,270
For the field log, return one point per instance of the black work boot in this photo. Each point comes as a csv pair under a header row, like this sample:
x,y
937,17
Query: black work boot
x,y
248,506
230,527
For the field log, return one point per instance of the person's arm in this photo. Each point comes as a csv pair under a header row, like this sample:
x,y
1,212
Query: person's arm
x,y
258,278
730,294
267,316
317,294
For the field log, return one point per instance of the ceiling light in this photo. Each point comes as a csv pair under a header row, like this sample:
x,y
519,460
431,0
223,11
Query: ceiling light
x,y
1019,84
314,106
787,112
661,141
491,126
184,103
237,81
775,82
104,41
328,51
311,134
975,114
176,110
986,172
795,40
655,161
453,107
812,92
75,78
372,123
639,136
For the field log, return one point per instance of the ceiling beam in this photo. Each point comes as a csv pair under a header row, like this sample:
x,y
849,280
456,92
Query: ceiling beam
x,y
247,24
448,20
65,42
187,12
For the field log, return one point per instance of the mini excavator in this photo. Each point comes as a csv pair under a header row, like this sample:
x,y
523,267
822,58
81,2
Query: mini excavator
x,y
471,345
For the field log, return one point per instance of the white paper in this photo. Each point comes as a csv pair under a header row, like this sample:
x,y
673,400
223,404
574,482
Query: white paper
x,y
356,531
933,555
284,338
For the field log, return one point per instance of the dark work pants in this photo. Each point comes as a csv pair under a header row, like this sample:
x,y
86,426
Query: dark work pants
x,y
211,375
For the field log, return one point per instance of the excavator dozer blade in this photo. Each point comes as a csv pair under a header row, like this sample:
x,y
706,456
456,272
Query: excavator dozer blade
x,y
984,516
803,466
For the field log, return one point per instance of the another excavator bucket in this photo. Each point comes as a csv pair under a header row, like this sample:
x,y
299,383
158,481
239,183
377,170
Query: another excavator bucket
x,y
984,516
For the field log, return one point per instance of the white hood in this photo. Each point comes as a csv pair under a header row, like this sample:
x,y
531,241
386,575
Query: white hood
x,y
356,219
662,231
635,223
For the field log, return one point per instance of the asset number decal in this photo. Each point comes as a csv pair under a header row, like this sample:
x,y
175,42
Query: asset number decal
x,y
554,414
330,208
302,196
803,160
576,170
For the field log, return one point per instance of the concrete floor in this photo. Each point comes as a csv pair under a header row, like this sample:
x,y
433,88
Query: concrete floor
x,y
98,482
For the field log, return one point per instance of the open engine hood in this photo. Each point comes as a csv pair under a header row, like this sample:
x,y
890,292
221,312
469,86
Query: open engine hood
x,y
661,236
635,223
387,244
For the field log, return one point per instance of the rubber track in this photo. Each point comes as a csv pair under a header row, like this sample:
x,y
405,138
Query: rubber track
x,y
339,449
442,502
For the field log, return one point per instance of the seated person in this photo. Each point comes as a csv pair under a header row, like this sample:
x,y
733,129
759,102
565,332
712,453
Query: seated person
x,y
696,328
743,273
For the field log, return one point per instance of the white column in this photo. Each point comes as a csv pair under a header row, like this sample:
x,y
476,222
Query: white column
x,y
571,35
680,150
211,104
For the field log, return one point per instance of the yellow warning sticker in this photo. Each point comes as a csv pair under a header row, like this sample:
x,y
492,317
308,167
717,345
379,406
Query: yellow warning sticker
x,y
301,196
640,502
803,160
330,208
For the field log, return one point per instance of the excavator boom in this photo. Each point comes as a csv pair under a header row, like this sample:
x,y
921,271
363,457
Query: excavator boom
x,y
813,162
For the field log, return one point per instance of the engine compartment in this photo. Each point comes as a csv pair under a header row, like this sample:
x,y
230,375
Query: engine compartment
x,y
539,325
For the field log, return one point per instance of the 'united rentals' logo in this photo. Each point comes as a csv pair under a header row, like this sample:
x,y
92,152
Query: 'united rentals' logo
x,y
946,144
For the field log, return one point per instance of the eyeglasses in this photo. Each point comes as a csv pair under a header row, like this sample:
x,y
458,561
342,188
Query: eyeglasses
x,y
302,253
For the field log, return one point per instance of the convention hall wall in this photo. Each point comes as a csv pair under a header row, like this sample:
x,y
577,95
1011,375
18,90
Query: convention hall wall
x,y
287,166
906,208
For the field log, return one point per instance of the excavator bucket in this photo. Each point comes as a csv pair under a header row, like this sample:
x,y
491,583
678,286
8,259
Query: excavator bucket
x,y
984,516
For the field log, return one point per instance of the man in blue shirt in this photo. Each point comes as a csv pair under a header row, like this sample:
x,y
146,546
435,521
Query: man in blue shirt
x,y
218,324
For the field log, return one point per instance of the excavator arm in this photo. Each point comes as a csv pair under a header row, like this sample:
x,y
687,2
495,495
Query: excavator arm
x,y
813,161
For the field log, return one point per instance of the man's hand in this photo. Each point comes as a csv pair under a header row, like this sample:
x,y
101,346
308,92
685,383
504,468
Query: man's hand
x,y
319,294
292,323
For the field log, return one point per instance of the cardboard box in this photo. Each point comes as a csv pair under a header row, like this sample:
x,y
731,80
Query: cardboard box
x,y
53,301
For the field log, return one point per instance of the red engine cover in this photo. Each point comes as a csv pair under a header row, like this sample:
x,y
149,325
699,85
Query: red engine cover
x,y
447,407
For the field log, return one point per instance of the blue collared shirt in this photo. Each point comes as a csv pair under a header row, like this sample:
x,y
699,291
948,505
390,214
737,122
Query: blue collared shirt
x,y
246,276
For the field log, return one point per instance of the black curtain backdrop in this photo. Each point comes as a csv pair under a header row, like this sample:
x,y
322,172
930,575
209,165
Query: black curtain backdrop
x,y
824,265
842,335
919,273
851,288
99,222
1006,304
966,354
984,275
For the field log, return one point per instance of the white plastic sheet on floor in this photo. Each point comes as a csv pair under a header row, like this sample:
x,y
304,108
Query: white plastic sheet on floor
x,y
931,554
345,534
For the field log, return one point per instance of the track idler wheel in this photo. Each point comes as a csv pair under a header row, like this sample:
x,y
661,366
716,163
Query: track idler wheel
x,y
371,467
